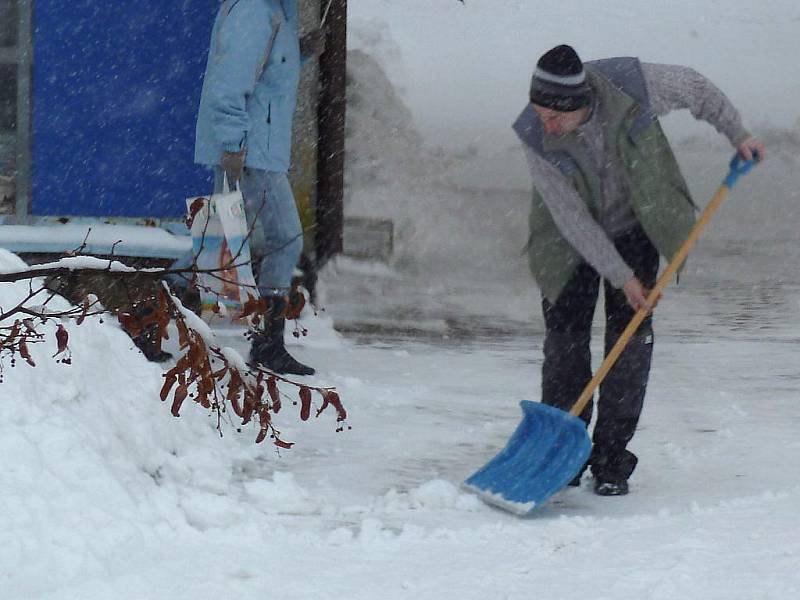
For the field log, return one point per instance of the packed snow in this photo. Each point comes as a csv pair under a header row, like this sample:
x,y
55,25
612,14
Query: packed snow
x,y
104,494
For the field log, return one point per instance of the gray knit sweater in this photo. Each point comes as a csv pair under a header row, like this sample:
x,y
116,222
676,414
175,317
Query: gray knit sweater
x,y
671,87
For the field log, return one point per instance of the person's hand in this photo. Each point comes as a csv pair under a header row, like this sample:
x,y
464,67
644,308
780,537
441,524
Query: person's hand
x,y
232,163
313,43
751,147
636,294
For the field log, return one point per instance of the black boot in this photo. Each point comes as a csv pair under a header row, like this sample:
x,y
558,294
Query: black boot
x,y
149,343
268,348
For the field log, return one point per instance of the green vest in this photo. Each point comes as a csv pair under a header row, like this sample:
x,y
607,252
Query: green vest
x,y
658,192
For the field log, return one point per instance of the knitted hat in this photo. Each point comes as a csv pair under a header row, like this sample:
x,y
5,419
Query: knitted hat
x,y
559,81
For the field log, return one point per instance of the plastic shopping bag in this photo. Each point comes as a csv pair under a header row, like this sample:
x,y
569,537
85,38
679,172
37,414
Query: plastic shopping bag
x,y
221,247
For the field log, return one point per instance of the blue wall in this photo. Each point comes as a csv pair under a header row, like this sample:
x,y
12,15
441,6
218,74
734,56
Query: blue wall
x,y
116,87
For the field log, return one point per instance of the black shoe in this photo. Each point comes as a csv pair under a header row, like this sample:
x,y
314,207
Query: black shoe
x,y
610,488
268,348
150,345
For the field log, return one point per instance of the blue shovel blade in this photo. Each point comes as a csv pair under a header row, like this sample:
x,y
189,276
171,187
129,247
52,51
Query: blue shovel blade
x,y
549,447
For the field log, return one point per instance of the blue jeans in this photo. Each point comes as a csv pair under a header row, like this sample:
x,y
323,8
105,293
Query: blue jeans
x,y
277,238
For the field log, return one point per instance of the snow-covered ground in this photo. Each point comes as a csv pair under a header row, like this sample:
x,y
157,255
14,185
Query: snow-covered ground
x,y
104,495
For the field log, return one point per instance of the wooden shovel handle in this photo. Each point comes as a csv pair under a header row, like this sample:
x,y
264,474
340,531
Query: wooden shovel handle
x,y
641,314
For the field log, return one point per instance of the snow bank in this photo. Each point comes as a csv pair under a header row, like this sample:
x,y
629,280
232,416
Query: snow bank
x,y
92,463
96,469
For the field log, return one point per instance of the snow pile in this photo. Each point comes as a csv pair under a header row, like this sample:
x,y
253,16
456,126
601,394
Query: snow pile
x,y
390,173
87,449
382,144
281,495
94,466
437,494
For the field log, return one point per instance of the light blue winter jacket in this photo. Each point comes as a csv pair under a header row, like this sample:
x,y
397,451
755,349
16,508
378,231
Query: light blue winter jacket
x,y
250,85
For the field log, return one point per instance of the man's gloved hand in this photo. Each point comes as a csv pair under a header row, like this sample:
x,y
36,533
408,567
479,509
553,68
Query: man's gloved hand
x,y
313,43
232,163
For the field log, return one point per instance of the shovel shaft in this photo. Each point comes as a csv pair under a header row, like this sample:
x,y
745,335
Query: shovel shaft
x,y
641,314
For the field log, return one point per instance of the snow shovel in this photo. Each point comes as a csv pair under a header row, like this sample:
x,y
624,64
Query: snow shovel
x,y
550,446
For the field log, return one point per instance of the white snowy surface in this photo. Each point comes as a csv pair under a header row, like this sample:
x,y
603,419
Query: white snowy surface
x,y
98,238
88,263
103,494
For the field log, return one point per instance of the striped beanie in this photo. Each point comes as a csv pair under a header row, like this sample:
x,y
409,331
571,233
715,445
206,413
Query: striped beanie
x,y
559,81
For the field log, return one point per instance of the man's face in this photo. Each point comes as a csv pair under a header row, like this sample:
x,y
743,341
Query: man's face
x,y
560,123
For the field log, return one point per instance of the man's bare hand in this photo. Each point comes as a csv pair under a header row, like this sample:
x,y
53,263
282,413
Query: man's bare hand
x,y
750,148
232,163
636,295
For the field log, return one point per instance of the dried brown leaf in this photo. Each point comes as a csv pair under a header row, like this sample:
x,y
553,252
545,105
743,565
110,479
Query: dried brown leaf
x,y
130,324
62,339
274,394
183,332
281,444
170,377
335,401
253,306
249,406
305,403
180,395
12,335
295,305
25,353
84,310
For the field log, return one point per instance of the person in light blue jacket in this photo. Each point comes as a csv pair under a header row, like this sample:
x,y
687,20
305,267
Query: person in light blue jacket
x,y
244,132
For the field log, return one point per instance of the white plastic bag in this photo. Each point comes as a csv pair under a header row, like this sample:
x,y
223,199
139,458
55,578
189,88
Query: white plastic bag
x,y
220,244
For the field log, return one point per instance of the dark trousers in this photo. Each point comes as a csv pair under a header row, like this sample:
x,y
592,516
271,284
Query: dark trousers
x,y
567,358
